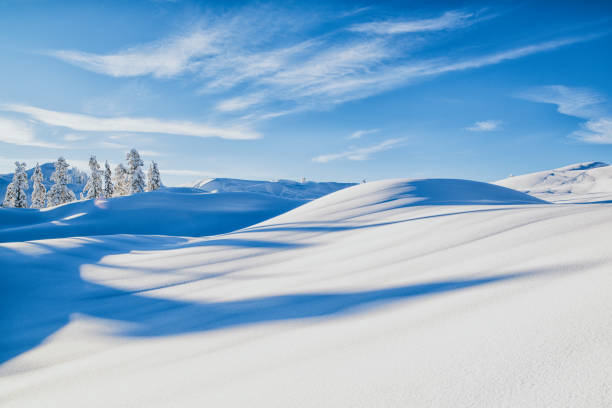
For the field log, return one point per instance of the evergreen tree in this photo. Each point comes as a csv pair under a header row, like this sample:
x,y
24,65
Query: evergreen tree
x,y
135,176
16,190
59,192
121,181
108,181
153,178
39,190
93,188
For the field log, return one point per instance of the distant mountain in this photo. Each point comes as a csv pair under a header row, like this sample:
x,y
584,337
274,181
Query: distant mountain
x,y
582,182
79,179
308,190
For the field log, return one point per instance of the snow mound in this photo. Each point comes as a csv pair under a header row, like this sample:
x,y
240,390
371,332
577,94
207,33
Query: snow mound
x,y
386,195
582,182
308,190
169,211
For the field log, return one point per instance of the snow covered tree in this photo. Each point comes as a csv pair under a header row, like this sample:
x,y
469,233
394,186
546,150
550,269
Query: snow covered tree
x,y
59,193
16,190
39,191
108,181
121,186
93,188
135,176
153,178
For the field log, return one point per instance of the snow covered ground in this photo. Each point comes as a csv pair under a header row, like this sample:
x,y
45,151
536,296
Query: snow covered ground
x,y
582,182
307,190
405,293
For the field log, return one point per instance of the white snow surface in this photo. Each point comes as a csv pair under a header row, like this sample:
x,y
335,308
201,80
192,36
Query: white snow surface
x,y
398,293
582,182
307,190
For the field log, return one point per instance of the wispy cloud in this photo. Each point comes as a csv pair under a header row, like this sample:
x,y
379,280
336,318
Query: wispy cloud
x,y
243,61
165,58
485,126
88,123
359,133
194,173
582,103
448,20
359,153
20,133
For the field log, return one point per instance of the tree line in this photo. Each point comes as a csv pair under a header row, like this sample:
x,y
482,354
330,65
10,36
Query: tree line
x,y
101,183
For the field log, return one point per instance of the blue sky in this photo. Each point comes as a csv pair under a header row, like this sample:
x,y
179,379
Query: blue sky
x,y
336,91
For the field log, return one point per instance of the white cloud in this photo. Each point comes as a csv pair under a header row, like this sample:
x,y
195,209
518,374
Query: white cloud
x,y
165,58
177,172
81,122
448,20
485,126
579,102
19,133
582,103
239,103
263,60
360,153
359,133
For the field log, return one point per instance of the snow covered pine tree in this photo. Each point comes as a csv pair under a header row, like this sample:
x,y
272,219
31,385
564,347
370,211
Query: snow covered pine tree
x,y
135,176
108,181
16,190
121,181
93,188
59,193
39,191
153,179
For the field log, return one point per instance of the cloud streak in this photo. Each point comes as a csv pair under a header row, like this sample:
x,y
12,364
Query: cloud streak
x,y
359,153
80,122
485,126
582,103
268,64
447,21
19,133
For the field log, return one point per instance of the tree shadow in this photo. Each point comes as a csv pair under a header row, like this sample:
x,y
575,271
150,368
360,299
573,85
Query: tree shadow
x,y
41,290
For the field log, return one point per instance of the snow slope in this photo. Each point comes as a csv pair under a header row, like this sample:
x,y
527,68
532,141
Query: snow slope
x,y
308,190
404,293
47,169
582,182
168,211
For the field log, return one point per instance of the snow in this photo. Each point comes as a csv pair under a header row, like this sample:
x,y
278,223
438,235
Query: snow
x,y
168,211
407,293
307,190
582,182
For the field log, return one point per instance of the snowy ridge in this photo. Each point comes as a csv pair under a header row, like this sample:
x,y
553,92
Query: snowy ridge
x,y
168,211
582,182
308,190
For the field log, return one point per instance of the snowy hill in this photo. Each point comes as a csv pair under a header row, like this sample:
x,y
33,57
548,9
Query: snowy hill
x,y
77,185
169,211
582,182
404,293
308,190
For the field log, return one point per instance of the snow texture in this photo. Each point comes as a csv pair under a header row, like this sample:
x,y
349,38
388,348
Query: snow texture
x,y
398,293
582,182
307,190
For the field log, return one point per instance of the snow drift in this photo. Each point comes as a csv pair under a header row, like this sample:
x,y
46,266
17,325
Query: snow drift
x,y
168,211
582,182
308,190
424,293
